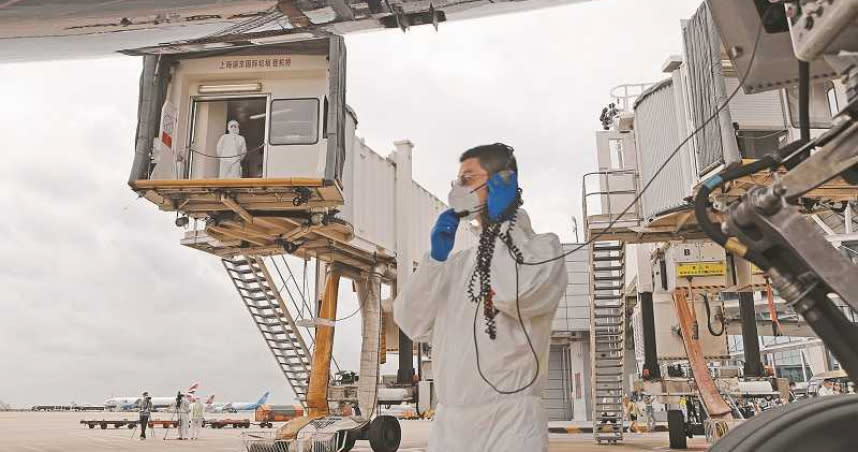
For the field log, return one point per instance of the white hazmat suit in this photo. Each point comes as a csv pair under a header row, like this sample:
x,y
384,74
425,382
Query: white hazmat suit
x,y
197,411
231,149
434,306
184,412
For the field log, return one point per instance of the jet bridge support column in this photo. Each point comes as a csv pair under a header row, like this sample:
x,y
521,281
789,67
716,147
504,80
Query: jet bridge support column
x,y
750,339
650,356
404,261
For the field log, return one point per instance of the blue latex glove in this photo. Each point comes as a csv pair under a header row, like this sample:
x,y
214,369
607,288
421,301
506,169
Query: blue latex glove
x,y
501,194
444,235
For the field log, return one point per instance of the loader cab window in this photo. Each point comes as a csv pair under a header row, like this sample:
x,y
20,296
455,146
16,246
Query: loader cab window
x,y
294,121
228,138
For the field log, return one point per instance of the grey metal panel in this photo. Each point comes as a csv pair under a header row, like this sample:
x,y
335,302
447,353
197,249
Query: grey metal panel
x,y
707,91
573,310
558,391
657,135
761,111
336,155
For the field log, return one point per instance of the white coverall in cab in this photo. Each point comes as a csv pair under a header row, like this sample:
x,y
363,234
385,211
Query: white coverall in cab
x,y
434,306
231,148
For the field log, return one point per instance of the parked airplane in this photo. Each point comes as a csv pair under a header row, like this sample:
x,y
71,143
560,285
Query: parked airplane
x,y
212,407
234,407
130,403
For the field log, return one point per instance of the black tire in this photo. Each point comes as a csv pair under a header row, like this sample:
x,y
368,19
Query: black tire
x,y
384,434
91,425
350,438
676,429
822,423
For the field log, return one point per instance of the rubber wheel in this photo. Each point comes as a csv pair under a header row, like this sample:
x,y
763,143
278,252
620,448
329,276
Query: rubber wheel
x,y
384,434
818,424
103,426
91,425
676,429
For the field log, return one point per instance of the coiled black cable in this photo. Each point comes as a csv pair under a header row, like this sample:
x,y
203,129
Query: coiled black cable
x,y
511,216
480,283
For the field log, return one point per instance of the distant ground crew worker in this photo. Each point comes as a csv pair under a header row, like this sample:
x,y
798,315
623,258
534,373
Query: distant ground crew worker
x,y
145,412
827,389
650,412
197,418
184,409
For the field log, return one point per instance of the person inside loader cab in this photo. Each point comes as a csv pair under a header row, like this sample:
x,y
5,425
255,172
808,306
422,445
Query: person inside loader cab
x,y
487,315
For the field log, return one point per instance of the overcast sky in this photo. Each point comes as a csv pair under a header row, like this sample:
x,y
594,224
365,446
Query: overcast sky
x,y
97,298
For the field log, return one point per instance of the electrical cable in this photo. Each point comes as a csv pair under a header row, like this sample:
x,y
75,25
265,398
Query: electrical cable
x,y
671,156
709,318
225,156
510,248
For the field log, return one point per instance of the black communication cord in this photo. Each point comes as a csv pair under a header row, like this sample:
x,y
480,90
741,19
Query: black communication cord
x,y
709,318
520,261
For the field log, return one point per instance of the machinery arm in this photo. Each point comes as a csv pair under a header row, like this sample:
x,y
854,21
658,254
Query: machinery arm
x,y
805,268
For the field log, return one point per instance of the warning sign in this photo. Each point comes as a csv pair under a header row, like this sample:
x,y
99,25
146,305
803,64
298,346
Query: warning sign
x,y
701,269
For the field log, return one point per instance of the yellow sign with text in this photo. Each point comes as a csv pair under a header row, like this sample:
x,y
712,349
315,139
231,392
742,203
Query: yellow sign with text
x,y
691,269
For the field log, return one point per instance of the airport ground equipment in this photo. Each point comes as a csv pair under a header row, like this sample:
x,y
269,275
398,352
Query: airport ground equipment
x,y
268,414
768,225
130,424
678,143
309,188
236,423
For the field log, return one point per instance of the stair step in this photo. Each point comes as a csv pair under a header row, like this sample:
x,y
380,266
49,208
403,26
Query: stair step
x,y
608,258
254,290
607,268
598,247
604,373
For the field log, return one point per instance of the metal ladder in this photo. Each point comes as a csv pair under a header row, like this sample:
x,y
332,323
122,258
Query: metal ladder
x,y
607,332
270,314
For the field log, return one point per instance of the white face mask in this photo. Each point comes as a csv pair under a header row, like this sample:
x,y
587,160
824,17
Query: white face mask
x,y
462,199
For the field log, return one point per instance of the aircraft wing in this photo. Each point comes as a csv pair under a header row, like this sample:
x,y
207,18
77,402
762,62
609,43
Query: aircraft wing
x,y
49,29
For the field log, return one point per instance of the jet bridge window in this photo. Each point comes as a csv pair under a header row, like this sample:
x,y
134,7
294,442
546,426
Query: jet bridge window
x,y
294,121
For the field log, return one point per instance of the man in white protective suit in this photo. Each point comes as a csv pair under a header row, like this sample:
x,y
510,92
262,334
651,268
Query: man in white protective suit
x,y
184,410
231,149
197,410
484,363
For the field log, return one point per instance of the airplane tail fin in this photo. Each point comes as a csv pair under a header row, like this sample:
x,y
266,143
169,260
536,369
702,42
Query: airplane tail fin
x,y
210,400
263,399
193,389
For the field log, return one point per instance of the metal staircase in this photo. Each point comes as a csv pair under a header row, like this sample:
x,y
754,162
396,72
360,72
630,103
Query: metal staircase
x,y
607,333
271,315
